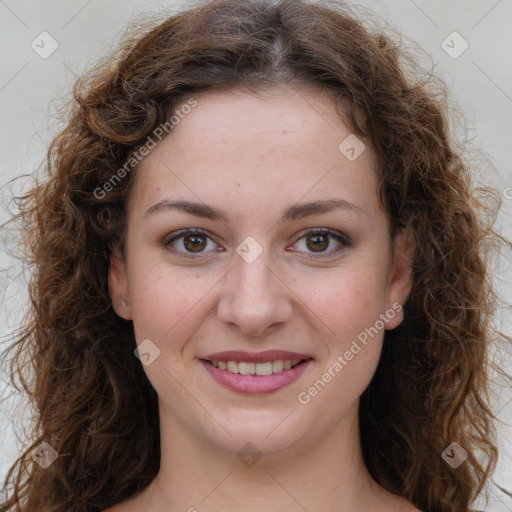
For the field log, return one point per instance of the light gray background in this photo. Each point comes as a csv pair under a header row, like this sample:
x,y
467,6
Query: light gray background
x,y
479,80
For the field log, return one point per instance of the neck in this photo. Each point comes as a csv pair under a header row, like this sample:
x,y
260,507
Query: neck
x,y
327,476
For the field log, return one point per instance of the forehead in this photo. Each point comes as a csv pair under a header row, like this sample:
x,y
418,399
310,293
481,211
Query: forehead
x,y
236,116
286,140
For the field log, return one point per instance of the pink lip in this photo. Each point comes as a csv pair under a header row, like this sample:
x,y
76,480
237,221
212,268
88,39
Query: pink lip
x,y
255,357
255,384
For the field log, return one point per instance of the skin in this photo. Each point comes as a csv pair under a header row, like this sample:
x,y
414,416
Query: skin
x,y
253,157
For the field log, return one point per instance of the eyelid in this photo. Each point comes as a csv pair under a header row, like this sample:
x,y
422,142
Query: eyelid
x,y
166,242
325,231
183,232
343,239
340,237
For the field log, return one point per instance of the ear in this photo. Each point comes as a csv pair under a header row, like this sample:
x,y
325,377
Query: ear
x,y
400,278
118,285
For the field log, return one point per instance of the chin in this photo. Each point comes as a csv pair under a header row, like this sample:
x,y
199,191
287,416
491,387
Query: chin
x,y
267,435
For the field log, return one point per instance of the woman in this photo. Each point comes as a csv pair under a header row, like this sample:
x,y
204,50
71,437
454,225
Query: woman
x,y
260,279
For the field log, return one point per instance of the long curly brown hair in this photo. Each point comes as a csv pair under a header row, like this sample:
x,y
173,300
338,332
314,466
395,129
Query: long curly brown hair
x,y
74,356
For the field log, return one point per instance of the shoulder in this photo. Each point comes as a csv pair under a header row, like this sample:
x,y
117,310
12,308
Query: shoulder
x,y
125,506
131,504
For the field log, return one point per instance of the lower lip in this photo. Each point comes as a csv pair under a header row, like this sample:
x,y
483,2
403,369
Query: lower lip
x,y
256,384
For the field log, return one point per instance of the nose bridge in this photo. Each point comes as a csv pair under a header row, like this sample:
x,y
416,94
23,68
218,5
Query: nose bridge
x,y
253,299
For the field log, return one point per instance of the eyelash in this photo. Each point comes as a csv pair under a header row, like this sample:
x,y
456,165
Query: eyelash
x,y
339,237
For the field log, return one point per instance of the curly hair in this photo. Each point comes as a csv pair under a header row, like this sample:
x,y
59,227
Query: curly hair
x,y
74,356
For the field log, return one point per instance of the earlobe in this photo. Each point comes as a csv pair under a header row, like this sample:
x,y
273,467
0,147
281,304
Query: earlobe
x,y
118,285
400,280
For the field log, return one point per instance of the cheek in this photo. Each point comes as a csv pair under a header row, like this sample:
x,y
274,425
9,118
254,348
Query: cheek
x,y
164,303
347,300
347,308
348,304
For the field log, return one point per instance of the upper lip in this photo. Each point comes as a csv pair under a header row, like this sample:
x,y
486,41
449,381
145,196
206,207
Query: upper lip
x,y
255,357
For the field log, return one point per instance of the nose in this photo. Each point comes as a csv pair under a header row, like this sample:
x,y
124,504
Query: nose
x,y
255,298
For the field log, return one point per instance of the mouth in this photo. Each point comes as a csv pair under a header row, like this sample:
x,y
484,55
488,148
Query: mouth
x,y
255,377
260,369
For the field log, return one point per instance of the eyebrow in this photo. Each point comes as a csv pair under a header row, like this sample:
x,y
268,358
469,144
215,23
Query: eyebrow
x,y
292,213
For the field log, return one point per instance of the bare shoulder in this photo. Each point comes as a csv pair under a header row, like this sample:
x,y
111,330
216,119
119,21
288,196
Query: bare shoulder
x,y
410,508
121,507
395,503
134,503
130,505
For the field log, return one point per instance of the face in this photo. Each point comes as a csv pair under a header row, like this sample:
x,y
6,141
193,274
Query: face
x,y
249,230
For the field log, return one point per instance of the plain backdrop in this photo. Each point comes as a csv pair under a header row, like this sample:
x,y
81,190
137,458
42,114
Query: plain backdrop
x,y
46,45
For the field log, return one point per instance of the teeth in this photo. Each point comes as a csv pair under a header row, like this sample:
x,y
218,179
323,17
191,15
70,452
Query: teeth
x,y
267,368
264,368
246,368
277,366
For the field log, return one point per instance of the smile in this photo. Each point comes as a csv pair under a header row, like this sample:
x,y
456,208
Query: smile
x,y
265,368
256,378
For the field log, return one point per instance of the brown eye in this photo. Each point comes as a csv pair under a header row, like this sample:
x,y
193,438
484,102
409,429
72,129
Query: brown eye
x,y
189,243
194,243
318,243
315,243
